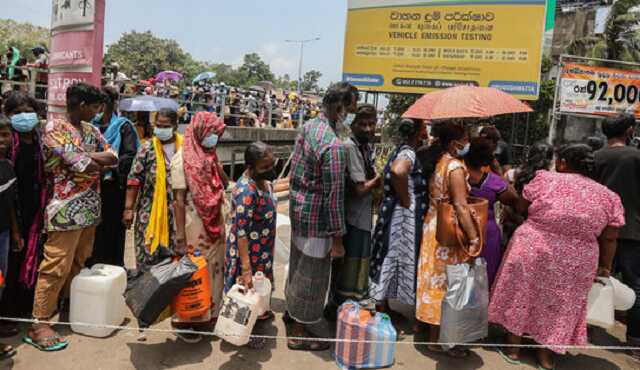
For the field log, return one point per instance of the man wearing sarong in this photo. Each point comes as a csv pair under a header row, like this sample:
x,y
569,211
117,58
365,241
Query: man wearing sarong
x,y
350,275
317,186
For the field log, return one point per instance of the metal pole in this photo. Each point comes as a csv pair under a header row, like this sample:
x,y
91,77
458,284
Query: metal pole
x,y
300,67
553,118
526,132
513,134
223,101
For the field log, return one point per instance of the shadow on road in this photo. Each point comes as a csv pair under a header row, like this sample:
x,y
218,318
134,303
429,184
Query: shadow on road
x,y
583,361
249,358
170,354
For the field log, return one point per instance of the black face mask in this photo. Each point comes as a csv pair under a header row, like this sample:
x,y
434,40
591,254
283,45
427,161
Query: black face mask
x,y
268,175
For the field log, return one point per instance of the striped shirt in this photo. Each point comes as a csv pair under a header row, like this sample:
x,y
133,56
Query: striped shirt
x,y
317,182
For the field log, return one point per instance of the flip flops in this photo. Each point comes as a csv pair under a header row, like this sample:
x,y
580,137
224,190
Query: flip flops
x,y
190,338
58,346
507,358
7,352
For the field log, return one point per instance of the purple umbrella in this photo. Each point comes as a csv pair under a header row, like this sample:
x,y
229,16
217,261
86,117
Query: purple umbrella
x,y
168,75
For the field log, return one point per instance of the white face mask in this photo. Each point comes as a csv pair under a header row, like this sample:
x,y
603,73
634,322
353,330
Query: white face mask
x,y
164,134
210,141
464,151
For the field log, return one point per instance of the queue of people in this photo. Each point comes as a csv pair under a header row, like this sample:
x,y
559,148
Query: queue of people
x,y
83,180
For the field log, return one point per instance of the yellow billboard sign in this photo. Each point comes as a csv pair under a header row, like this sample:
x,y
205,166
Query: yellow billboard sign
x,y
416,46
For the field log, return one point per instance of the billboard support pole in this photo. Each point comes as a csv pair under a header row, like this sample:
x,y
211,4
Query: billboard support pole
x,y
554,118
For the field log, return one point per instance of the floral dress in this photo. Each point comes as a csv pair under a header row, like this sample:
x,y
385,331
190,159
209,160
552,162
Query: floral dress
x,y
143,175
434,258
552,260
253,215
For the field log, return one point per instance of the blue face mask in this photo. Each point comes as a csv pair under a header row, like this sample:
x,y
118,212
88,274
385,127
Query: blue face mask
x,y
164,134
24,122
348,120
210,141
464,151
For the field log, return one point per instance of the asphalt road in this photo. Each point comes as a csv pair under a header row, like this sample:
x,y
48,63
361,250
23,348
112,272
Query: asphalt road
x,y
123,350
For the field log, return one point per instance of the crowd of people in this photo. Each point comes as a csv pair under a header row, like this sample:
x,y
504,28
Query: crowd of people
x,y
256,106
74,185
17,70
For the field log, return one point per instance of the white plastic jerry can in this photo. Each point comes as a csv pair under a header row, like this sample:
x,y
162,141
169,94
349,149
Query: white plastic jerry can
x,y
262,286
238,315
97,297
600,310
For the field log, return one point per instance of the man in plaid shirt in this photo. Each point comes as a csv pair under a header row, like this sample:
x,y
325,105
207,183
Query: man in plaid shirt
x,y
316,193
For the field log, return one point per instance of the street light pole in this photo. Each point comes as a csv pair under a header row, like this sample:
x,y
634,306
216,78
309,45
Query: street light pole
x,y
301,42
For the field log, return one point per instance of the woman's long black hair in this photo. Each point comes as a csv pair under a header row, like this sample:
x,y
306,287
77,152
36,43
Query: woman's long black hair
x,y
445,133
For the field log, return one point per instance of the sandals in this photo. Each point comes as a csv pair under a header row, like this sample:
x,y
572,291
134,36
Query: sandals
x,y
508,359
190,338
455,352
266,316
540,367
7,352
305,345
56,339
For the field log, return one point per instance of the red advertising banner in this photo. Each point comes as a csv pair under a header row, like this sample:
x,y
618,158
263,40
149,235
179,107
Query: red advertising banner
x,y
60,81
77,44
72,48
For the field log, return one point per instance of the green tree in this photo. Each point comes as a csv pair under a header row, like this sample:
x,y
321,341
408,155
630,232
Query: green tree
x,y
143,54
285,83
310,80
23,36
621,39
254,70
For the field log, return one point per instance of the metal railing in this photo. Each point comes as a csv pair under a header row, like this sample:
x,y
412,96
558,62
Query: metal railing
x,y
25,79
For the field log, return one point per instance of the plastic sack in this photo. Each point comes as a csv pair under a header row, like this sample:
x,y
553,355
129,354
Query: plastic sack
x,y
465,307
623,296
151,292
356,324
600,310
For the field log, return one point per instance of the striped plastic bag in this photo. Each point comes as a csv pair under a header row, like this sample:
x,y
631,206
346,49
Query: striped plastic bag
x,y
357,324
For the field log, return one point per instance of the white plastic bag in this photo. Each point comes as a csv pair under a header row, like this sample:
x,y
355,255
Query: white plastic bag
x,y
623,296
465,307
600,310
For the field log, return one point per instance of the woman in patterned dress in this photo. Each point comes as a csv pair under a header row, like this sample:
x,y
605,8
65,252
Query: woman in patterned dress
x,y
253,220
396,238
568,239
448,182
198,183
141,191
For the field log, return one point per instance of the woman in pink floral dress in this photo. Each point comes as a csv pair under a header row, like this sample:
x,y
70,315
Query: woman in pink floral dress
x,y
567,240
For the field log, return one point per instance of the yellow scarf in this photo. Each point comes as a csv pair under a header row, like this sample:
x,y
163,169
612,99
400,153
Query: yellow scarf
x,y
158,229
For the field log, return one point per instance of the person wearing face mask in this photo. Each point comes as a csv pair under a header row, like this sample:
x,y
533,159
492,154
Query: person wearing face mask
x,y
198,183
252,222
316,209
568,239
75,153
448,177
397,234
28,162
618,168
349,280
149,192
122,137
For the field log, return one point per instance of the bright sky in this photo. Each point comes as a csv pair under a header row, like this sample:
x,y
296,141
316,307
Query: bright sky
x,y
225,30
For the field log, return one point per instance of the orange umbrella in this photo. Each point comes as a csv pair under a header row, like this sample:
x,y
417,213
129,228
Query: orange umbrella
x,y
465,102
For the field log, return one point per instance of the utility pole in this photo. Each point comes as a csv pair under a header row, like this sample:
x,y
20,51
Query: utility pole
x,y
301,42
